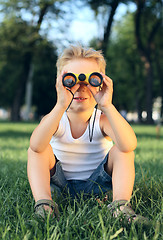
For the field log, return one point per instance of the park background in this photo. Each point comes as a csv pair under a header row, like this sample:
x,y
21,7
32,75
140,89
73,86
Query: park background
x,y
32,35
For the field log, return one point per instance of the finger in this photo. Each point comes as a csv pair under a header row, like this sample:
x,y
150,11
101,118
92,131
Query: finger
x,y
75,88
93,90
108,81
105,76
59,82
61,75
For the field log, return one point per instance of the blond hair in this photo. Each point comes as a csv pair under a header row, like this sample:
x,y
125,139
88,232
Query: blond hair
x,y
79,52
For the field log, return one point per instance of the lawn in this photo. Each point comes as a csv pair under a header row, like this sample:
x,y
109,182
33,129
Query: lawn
x,y
82,219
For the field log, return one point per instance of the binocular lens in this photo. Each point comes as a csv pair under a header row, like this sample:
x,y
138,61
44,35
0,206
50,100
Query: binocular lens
x,y
69,81
95,80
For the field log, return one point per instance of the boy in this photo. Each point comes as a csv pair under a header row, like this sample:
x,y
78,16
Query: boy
x,y
72,146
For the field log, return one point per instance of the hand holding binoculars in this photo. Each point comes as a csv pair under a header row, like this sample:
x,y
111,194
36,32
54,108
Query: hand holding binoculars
x,y
95,79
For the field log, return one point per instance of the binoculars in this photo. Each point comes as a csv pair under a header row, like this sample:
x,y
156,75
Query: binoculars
x,y
95,79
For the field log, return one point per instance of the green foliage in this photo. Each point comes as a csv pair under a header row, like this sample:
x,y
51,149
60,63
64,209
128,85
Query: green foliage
x,y
135,66
19,41
16,37
85,218
15,6
10,54
125,67
44,79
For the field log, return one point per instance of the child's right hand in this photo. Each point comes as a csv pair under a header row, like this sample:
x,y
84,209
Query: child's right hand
x,y
64,96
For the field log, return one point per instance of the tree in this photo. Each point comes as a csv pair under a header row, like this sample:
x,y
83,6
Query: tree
x,y
37,10
45,72
125,67
16,36
147,26
108,9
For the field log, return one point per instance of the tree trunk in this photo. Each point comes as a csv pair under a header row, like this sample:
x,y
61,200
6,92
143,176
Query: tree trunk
x,y
107,30
146,59
18,99
160,75
138,105
149,90
28,98
17,102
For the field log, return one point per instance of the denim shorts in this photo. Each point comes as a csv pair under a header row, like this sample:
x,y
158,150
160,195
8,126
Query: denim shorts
x,y
99,182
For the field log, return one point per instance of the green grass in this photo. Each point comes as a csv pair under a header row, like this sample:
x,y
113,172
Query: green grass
x,y
83,219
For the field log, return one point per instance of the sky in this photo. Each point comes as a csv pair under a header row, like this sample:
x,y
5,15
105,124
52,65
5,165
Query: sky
x,y
83,26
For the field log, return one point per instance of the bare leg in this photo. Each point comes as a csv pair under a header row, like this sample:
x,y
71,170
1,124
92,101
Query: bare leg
x,y
39,165
121,166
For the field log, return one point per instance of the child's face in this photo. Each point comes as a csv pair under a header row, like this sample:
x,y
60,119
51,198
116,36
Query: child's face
x,y
83,98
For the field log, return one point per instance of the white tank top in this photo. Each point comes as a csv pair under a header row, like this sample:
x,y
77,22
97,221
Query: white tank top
x,y
79,157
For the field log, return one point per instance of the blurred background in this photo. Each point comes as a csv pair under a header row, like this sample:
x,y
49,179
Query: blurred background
x,y
33,34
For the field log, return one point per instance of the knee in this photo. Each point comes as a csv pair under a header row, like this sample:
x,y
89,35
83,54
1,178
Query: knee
x,y
34,155
32,152
46,156
115,150
116,154
120,159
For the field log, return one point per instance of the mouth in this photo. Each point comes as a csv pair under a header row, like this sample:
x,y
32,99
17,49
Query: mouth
x,y
79,99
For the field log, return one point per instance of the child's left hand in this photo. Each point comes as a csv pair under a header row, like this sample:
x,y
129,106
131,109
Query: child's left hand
x,y
103,97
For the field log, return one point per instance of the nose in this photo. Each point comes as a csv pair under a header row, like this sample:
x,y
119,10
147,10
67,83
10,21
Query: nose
x,y
82,87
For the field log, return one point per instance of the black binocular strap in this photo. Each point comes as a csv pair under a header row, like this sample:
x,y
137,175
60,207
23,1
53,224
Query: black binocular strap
x,y
71,99
90,132
93,124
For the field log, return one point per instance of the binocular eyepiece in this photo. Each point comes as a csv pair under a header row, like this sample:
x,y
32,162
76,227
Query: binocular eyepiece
x,y
95,79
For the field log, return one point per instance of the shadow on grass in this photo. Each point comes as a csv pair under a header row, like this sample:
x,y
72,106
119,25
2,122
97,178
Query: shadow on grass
x,y
12,167
150,169
12,148
148,136
15,134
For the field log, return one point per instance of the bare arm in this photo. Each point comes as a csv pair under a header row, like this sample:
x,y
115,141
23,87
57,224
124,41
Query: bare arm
x,y
115,126
112,123
43,133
